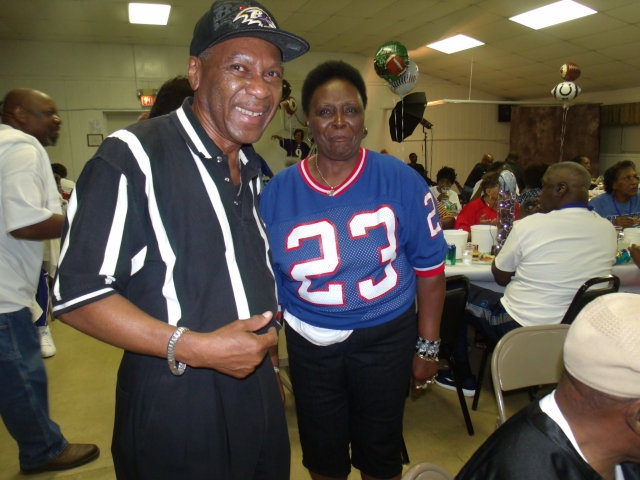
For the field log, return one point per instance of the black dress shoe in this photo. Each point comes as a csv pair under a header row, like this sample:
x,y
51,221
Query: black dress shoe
x,y
73,456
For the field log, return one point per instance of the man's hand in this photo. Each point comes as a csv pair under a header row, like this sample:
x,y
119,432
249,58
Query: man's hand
x,y
442,197
634,250
233,349
625,222
276,137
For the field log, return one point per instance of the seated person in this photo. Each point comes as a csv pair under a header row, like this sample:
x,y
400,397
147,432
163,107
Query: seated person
x,y
296,147
586,163
482,210
495,167
620,204
533,186
476,174
589,427
545,259
445,179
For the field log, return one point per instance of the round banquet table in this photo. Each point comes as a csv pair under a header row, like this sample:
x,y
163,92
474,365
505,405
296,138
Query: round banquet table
x,y
480,274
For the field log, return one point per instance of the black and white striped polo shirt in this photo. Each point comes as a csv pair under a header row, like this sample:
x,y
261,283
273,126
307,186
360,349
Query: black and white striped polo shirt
x,y
156,218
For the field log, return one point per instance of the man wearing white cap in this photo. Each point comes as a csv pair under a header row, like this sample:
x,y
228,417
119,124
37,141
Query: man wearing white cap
x,y
589,427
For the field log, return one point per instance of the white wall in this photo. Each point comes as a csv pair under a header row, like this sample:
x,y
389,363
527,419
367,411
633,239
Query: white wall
x,y
88,80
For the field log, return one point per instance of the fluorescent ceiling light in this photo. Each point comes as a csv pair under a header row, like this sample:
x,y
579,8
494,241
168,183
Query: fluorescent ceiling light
x,y
149,13
553,14
455,44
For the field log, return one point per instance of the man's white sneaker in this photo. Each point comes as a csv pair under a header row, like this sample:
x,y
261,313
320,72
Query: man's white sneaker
x,y
47,346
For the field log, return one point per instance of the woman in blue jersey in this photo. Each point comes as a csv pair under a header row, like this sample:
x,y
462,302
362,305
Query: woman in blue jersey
x,y
355,236
620,204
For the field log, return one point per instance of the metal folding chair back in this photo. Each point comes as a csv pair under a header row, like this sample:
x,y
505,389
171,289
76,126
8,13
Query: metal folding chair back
x,y
455,303
587,294
525,357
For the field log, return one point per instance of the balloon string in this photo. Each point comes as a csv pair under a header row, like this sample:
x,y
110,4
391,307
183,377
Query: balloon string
x,y
565,109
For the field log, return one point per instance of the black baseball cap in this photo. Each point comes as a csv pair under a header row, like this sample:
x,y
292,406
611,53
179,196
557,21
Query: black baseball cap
x,y
235,18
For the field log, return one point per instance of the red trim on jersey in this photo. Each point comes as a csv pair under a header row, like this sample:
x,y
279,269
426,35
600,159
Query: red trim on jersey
x,y
305,171
432,272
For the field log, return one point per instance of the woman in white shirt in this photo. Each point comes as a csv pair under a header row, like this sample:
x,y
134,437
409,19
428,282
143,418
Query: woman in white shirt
x,y
446,177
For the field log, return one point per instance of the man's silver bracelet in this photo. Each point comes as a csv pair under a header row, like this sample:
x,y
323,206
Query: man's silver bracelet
x,y
176,368
427,349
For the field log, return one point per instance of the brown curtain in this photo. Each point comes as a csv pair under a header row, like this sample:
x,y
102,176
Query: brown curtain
x,y
621,114
536,134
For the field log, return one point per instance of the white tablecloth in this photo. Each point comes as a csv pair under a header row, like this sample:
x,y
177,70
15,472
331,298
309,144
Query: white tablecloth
x,y
481,275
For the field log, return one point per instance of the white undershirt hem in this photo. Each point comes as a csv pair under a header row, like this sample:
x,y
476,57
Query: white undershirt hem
x,y
322,337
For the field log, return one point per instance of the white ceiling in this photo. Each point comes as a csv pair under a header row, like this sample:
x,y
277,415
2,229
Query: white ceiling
x,y
516,62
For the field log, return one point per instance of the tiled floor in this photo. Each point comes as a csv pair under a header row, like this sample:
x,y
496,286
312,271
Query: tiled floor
x,y
82,384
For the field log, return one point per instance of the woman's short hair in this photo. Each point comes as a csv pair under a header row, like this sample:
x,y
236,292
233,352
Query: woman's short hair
x,y
446,173
490,180
533,174
331,70
611,174
171,95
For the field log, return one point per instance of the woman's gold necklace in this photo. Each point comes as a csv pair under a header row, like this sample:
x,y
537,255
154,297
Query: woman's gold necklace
x,y
324,179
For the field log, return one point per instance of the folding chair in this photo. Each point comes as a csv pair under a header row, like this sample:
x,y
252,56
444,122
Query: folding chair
x,y
526,357
587,294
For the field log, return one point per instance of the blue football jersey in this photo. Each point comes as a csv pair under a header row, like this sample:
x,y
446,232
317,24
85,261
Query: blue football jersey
x,y
349,260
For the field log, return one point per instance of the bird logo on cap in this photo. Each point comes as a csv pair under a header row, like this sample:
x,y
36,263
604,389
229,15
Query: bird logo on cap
x,y
255,16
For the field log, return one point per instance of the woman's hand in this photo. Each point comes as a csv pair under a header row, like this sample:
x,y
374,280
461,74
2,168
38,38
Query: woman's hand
x,y
442,197
422,371
484,221
625,222
276,137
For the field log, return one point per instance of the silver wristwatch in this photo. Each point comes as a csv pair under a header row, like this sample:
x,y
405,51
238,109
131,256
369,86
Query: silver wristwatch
x,y
176,368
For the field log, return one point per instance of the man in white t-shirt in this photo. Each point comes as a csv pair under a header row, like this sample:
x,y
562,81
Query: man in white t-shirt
x,y
589,427
543,262
29,213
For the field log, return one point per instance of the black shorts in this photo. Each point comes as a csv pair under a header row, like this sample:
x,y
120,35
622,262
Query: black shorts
x,y
353,392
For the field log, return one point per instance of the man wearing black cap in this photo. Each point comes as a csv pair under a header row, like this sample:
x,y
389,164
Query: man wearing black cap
x,y
164,250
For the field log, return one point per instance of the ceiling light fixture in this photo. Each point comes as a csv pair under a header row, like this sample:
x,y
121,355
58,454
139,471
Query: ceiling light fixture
x,y
553,14
455,44
149,13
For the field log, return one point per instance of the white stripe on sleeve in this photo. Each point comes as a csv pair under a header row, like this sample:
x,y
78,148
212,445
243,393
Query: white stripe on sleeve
x,y
166,252
112,252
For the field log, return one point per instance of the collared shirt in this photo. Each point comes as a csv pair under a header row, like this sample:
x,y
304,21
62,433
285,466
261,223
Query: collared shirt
x,y
28,195
156,218
549,406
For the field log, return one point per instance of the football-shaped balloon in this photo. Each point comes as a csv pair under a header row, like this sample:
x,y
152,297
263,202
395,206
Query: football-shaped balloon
x,y
407,81
396,64
569,71
565,91
383,60
290,105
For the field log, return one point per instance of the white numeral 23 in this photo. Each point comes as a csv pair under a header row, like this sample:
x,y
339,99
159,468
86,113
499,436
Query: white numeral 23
x,y
329,261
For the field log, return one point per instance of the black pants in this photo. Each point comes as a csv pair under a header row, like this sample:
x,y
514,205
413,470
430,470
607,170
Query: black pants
x,y
353,392
202,425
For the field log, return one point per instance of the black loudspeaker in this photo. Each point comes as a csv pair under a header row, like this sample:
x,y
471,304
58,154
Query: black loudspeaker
x,y
504,113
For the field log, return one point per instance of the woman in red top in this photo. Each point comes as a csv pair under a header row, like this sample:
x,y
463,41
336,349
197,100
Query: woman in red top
x,y
483,210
